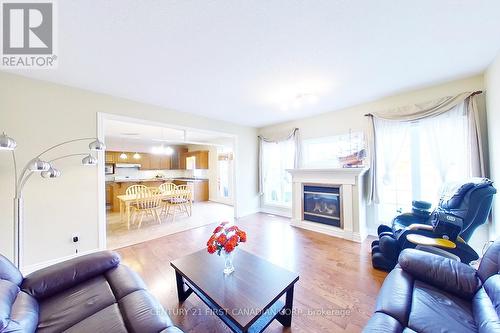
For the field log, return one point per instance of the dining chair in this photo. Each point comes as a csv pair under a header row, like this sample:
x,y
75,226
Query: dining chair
x,y
164,189
148,202
181,201
133,189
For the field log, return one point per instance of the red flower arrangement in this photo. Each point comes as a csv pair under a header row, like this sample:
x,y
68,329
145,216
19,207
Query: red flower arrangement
x,y
225,238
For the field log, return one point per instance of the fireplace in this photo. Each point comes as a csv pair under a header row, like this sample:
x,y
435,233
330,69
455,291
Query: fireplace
x,y
330,201
322,204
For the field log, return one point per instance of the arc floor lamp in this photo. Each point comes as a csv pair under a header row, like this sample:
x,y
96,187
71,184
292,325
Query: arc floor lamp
x,y
46,169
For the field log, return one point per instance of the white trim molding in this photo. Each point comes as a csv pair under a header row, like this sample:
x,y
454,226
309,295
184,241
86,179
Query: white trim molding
x,y
353,203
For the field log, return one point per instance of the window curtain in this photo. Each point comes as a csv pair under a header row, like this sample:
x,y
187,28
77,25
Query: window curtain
x,y
293,136
427,112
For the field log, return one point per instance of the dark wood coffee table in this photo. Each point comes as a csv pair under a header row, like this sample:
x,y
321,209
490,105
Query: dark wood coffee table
x,y
248,300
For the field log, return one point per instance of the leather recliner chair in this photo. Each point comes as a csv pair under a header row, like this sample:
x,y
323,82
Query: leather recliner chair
x,y
428,293
91,293
461,209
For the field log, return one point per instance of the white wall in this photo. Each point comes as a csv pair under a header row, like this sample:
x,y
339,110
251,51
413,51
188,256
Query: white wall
x,y
39,114
492,82
339,122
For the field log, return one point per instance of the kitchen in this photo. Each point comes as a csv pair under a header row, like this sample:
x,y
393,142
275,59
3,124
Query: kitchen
x,y
141,156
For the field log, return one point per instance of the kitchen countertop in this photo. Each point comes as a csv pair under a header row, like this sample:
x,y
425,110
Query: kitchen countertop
x,y
135,180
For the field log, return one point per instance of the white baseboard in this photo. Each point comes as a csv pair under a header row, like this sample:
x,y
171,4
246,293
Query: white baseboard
x,y
285,212
329,230
32,268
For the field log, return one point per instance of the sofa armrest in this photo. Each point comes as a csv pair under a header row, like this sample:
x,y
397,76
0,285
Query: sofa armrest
x,y
449,275
56,278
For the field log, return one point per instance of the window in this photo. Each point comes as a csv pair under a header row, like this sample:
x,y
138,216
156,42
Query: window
x,y
415,159
277,182
325,152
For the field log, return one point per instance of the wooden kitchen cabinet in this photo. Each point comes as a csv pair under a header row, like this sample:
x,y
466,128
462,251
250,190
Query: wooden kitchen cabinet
x,y
200,189
177,161
144,161
155,162
166,163
109,157
201,158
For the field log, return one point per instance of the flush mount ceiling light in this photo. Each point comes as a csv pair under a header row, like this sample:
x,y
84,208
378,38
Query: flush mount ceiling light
x,y
123,156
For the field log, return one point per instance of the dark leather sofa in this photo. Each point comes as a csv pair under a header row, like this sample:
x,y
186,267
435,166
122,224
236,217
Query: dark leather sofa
x,y
92,293
429,293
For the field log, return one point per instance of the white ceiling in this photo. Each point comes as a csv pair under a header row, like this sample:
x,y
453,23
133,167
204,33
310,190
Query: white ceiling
x,y
241,61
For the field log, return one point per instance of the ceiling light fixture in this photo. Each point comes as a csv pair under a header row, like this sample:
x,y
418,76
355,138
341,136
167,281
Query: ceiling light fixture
x,y
299,101
123,156
162,150
137,156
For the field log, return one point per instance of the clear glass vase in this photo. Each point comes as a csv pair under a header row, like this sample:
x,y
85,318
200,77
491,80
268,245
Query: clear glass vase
x,y
228,262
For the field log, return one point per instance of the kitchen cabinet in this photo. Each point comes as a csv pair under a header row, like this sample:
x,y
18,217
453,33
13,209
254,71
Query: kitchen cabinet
x,y
177,162
200,159
144,161
200,188
109,157
165,163
155,162
109,196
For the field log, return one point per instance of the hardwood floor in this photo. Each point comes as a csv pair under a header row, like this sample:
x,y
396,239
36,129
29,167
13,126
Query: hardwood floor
x,y
336,291
203,213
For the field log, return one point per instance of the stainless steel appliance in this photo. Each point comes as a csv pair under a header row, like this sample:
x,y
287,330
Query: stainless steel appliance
x,y
109,169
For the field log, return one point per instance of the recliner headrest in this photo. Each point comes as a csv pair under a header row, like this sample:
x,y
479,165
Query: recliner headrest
x,y
454,192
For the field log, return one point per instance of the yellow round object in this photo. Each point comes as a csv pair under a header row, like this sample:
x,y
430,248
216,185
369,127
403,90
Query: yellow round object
x,y
429,241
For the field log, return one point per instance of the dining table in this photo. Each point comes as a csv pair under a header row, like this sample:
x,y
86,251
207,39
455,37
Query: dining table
x,y
126,200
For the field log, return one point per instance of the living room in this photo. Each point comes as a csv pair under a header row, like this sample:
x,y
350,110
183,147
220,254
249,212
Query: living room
x,y
364,148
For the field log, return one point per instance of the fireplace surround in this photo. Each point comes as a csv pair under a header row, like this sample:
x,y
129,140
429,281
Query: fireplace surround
x,y
330,201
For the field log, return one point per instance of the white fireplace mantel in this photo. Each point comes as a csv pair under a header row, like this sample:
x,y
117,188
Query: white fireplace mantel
x,y
350,181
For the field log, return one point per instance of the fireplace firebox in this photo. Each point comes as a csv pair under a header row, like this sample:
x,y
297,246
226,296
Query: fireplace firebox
x,y
322,204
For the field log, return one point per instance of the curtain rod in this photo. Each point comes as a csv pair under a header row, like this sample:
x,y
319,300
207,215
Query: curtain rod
x,y
477,92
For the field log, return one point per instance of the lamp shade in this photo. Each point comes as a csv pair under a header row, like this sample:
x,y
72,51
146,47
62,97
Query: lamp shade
x,y
51,173
37,165
89,160
7,143
97,145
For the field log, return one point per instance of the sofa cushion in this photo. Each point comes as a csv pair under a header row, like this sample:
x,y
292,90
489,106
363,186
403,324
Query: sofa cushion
x,y
383,323
9,272
108,320
142,313
24,314
53,279
485,313
73,305
448,274
490,263
394,298
8,294
432,309
124,281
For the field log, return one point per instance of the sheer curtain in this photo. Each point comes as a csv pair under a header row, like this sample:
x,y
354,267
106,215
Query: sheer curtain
x,y
275,156
452,132
446,137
